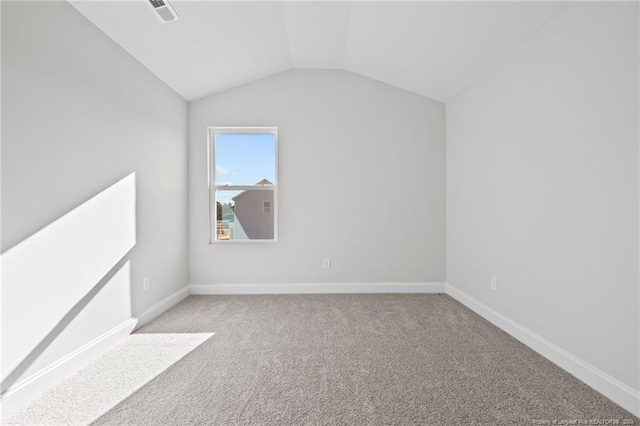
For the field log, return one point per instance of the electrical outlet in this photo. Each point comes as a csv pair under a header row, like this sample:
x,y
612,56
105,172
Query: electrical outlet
x,y
146,283
326,263
494,282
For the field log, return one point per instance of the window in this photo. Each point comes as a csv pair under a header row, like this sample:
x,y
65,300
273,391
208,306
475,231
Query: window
x,y
243,184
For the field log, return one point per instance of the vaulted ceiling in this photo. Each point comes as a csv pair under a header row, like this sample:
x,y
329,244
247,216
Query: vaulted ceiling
x,y
431,48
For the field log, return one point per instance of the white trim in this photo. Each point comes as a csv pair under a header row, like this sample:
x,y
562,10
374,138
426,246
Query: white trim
x,y
243,188
24,391
157,309
319,288
242,241
212,131
250,130
620,393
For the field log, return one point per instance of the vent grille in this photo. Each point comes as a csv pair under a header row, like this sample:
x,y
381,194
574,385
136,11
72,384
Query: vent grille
x,y
164,11
157,3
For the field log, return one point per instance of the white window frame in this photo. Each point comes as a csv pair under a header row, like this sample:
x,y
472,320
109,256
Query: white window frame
x,y
211,145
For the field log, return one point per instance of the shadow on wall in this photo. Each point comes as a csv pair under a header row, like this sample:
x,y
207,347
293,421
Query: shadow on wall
x,y
51,277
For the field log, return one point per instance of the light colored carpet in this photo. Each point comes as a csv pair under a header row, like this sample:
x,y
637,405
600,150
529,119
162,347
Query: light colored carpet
x,y
107,380
352,360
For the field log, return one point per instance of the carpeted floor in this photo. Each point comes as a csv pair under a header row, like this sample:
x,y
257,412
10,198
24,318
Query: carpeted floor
x,y
106,380
353,360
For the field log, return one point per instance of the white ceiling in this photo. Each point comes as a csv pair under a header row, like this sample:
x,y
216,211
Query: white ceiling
x,y
431,48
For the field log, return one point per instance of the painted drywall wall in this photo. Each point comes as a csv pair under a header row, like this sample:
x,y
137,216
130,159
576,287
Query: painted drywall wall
x,y
77,253
361,180
542,186
78,115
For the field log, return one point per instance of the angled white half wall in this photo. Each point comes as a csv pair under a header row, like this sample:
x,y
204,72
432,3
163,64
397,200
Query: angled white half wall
x,y
52,280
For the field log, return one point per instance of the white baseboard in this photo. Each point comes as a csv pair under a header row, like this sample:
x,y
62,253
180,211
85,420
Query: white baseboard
x,y
620,393
154,311
24,391
319,288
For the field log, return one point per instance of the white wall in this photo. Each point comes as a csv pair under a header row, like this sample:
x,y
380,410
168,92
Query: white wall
x,y
79,114
361,180
77,253
542,186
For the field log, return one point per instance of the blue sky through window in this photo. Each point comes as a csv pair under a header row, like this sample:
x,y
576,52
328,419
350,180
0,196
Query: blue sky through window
x,y
244,160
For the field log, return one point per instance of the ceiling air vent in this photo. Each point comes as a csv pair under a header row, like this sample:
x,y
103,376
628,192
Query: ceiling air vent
x,y
164,10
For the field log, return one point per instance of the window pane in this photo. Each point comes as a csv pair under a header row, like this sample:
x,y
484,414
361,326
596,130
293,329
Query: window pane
x,y
244,215
245,159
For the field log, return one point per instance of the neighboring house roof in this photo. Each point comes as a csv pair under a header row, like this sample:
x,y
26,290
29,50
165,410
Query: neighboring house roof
x,y
263,182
